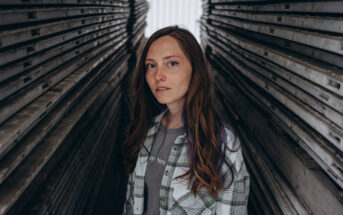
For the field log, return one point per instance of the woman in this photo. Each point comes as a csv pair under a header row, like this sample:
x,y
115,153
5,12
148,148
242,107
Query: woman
x,y
180,157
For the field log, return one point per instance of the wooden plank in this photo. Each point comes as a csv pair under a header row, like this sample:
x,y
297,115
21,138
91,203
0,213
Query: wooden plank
x,y
318,40
273,203
314,145
14,129
303,7
328,77
48,60
309,184
53,68
36,163
319,93
234,1
268,173
80,195
319,23
320,124
18,16
23,149
11,37
118,3
273,76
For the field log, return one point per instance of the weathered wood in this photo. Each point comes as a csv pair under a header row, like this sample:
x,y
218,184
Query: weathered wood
x,y
65,30
274,72
327,24
332,165
55,57
61,64
19,153
323,75
19,16
317,188
321,124
119,3
265,170
303,7
18,126
315,39
39,158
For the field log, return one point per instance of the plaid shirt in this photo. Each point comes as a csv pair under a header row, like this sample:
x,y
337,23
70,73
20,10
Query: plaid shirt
x,y
175,195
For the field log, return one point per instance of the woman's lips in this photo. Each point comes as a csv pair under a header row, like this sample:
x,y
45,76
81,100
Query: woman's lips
x,y
162,89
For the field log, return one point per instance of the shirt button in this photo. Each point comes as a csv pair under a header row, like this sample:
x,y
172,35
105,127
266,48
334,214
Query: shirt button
x,y
167,173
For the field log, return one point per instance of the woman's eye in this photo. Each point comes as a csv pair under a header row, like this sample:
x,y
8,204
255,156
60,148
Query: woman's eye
x,y
173,63
149,66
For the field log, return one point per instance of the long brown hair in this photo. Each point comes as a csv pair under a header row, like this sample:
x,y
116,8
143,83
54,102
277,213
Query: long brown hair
x,y
203,127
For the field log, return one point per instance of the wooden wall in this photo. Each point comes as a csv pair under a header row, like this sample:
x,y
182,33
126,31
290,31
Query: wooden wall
x,y
61,66
278,70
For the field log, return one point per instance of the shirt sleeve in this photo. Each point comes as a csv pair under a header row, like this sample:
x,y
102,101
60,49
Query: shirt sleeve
x,y
233,199
128,203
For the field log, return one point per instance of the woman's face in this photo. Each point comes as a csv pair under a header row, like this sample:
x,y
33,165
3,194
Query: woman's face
x,y
168,72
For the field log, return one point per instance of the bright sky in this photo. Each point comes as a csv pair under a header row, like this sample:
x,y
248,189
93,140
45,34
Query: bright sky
x,y
184,13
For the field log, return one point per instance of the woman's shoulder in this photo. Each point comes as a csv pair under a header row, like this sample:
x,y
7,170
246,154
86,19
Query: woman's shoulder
x,y
226,131
233,149
230,138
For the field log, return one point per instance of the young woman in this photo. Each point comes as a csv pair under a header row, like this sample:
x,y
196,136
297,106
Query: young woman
x,y
180,157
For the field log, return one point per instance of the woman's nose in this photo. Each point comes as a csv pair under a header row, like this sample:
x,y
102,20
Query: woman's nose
x,y
160,75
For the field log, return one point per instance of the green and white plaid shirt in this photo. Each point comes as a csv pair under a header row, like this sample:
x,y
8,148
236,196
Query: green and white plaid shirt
x,y
175,195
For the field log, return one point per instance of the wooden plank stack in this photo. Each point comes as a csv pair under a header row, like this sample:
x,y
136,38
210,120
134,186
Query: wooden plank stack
x,y
61,63
278,74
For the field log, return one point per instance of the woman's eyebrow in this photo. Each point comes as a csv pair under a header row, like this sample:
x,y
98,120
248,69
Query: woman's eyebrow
x,y
164,58
167,57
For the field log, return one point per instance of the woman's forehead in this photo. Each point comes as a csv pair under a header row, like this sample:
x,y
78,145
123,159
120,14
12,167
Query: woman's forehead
x,y
164,47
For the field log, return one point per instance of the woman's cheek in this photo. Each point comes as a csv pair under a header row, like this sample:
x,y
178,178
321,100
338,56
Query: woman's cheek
x,y
148,78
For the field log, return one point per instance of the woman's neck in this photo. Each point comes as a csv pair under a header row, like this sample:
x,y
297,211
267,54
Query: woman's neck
x,y
172,120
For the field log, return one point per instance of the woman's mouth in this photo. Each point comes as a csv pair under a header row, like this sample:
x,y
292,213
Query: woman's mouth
x,y
161,89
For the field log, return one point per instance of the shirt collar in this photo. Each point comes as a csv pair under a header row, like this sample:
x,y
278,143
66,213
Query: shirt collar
x,y
159,117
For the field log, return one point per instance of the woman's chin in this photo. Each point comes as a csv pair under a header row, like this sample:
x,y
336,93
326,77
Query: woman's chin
x,y
162,101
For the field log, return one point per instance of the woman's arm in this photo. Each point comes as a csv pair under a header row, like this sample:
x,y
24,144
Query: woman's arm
x,y
128,204
234,199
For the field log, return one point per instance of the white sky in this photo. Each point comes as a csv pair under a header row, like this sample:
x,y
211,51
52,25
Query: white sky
x,y
184,13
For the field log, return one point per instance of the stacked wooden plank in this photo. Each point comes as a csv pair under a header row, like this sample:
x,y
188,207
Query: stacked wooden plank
x,y
279,73
135,27
61,63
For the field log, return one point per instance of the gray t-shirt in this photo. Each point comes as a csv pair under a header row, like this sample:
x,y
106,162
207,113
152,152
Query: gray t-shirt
x,y
156,166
